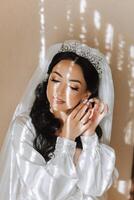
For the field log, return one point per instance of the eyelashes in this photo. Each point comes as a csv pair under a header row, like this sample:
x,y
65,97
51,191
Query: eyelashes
x,y
54,80
73,88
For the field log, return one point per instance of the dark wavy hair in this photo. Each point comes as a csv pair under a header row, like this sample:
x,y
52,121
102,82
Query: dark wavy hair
x,y
45,123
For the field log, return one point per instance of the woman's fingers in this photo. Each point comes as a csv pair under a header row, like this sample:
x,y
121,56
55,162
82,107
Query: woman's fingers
x,y
104,110
85,126
85,110
86,117
79,111
92,118
76,110
82,112
99,114
99,105
95,100
79,108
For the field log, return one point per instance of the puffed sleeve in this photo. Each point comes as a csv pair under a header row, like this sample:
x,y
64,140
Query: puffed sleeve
x,y
95,167
52,180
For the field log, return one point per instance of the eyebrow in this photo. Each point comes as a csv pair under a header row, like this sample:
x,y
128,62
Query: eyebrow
x,y
73,80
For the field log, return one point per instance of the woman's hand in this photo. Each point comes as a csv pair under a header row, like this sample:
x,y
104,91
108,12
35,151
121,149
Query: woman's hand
x,y
73,125
98,112
84,119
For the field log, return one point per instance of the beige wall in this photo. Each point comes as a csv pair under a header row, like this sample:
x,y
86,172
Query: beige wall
x,y
107,25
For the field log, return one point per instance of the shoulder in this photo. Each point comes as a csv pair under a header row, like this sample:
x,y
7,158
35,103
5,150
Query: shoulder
x,y
24,122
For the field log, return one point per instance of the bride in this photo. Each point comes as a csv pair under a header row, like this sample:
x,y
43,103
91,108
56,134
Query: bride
x,y
57,145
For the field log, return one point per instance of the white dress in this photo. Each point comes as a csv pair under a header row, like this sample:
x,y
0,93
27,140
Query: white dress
x,y
27,176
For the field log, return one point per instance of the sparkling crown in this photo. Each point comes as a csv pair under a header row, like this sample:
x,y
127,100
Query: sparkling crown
x,y
93,55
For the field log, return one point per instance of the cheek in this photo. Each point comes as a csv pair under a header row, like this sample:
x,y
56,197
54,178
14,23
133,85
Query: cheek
x,y
74,98
49,91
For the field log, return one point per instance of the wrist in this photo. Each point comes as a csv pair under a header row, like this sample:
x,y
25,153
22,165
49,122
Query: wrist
x,y
90,143
89,133
64,145
63,135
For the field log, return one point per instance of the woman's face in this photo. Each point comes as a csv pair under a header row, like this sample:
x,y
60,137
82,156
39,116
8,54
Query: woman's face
x,y
66,86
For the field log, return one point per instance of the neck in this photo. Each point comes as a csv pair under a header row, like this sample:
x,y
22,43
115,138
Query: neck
x,y
61,115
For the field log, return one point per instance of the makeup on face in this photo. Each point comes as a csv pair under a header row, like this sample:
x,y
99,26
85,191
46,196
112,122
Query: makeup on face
x,y
66,86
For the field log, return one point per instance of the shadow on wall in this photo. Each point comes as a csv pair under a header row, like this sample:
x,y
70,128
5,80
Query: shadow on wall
x,y
86,23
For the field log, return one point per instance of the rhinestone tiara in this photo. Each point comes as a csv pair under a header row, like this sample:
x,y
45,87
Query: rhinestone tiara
x,y
93,55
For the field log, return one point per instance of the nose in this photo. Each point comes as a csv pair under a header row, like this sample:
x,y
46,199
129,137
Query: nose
x,y
61,90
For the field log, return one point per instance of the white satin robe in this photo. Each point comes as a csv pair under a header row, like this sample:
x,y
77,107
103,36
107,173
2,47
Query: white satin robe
x,y
27,176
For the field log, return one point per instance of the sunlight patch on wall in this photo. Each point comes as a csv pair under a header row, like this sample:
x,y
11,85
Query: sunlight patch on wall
x,y
121,53
83,29
97,26
83,5
132,61
132,52
71,28
69,18
83,25
97,19
123,187
82,18
129,130
42,34
68,15
55,27
109,35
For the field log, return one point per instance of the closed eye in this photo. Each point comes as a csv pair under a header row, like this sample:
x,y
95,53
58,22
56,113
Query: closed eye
x,y
54,80
75,88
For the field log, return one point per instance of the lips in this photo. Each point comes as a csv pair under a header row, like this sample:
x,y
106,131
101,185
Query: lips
x,y
58,100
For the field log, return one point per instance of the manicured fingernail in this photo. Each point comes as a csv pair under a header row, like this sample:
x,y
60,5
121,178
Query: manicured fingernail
x,y
91,100
88,103
85,101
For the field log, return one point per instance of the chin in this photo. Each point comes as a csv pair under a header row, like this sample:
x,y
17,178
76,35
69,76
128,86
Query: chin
x,y
61,108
